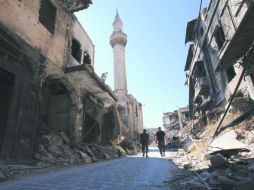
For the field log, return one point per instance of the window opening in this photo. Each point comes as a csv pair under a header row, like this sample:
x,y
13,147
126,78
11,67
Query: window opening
x,y
47,15
75,50
219,37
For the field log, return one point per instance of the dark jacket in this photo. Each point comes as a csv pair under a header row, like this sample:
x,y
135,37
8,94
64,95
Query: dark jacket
x,y
144,138
160,135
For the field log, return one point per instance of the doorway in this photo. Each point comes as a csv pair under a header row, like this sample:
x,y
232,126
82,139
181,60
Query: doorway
x,y
6,86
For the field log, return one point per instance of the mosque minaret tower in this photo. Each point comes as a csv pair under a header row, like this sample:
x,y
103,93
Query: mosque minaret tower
x,y
118,41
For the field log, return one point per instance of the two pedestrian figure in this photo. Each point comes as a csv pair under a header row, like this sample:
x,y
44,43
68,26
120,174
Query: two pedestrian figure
x,y
160,135
144,139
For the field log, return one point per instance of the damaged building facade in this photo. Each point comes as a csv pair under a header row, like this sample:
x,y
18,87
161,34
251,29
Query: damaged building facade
x,y
47,79
175,121
129,108
220,48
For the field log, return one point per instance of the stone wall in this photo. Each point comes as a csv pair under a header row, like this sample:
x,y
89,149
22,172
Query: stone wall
x,y
45,98
23,18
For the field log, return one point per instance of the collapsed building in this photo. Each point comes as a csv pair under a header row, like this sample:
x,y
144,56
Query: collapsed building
x,y
219,75
47,80
220,39
175,121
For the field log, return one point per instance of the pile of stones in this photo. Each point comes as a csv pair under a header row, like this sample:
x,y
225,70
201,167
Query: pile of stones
x,y
216,171
55,150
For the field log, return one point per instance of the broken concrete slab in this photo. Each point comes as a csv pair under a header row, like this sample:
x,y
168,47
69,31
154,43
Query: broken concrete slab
x,y
64,137
225,142
54,149
107,156
90,152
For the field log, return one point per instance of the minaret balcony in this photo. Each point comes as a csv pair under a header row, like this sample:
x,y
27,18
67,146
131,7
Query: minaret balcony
x,y
118,38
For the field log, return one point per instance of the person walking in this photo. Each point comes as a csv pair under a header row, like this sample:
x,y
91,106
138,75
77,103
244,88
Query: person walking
x,y
160,135
144,140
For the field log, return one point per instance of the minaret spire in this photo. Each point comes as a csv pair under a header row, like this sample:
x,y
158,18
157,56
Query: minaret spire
x,y
117,17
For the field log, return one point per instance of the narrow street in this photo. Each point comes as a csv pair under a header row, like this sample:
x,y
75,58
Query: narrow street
x,y
134,172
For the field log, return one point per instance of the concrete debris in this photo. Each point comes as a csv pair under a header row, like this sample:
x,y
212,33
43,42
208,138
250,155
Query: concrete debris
x,y
130,146
54,150
226,141
220,172
64,137
227,162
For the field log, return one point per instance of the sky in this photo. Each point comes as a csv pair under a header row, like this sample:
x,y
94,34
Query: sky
x,y
155,54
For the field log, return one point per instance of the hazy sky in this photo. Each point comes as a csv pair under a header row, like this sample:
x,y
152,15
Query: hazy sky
x,y
155,52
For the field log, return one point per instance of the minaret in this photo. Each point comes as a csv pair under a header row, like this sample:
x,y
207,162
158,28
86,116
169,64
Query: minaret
x,y
118,41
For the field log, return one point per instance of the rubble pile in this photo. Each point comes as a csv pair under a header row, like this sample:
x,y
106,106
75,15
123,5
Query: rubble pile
x,y
218,172
55,150
225,162
130,146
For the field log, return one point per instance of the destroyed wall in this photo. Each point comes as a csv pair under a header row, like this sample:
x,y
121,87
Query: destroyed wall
x,y
184,116
81,47
23,18
223,27
173,122
101,125
26,42
211,33
41,94
19,83
170,119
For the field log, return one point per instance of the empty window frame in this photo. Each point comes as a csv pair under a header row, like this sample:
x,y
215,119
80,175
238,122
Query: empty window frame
x,y
76,50
219,36
47,15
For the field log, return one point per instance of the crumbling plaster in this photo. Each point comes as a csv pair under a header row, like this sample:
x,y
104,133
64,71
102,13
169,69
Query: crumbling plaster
x,y
77,32
22,17
47,57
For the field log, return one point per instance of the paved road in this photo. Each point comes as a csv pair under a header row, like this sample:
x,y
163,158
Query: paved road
x,y
130,173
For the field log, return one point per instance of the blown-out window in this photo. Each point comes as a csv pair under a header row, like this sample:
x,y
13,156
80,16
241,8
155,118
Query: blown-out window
x,y
219,36
47,15
76,50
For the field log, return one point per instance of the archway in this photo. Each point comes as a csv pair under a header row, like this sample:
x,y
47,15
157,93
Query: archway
x,y
55,108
